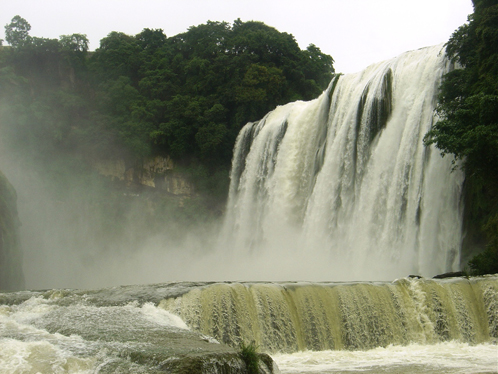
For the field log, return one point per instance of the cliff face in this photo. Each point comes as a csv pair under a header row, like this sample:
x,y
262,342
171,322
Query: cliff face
x,y
157,172
11,275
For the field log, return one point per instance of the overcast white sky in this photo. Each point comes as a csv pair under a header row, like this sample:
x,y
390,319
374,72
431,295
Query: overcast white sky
x,y
356,33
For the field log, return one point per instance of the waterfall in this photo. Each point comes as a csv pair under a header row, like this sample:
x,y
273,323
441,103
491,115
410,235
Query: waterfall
x,y
290,317
406,326
344,184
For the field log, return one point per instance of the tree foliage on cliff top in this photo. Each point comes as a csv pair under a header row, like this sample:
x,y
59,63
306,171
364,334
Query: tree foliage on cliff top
x,y
468,125
186,96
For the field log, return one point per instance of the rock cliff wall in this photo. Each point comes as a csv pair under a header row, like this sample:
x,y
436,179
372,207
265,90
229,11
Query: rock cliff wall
x,y
11,275
157,172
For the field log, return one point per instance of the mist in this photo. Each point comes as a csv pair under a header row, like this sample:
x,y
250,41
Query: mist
x,y
69,243
80,230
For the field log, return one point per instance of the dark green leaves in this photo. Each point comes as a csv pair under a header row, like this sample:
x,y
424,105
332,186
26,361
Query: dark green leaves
x,y
207,82
468,111
17,32
186,96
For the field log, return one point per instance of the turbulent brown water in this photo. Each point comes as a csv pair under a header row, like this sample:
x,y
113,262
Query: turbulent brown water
x,y
291,317
405,326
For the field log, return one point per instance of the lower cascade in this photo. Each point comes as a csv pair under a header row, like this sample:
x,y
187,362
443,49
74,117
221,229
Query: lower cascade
x,y
290,317
406,326
342,187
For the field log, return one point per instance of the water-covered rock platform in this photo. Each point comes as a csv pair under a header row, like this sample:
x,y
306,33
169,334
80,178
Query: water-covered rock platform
x,y
111,330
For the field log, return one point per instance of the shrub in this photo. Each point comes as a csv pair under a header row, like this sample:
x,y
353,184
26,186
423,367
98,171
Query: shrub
x,y
249,355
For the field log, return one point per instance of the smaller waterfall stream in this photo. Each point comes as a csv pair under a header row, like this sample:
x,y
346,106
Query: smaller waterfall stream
x,y
290,317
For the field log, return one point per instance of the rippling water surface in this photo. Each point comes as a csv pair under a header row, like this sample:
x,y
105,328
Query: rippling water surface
x,y
442,358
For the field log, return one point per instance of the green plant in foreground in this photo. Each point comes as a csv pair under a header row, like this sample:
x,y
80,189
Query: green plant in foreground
x,y
248,353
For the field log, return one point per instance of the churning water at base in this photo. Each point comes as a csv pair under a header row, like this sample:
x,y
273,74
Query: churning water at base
x,y
344,182
441,358
114,330
405,326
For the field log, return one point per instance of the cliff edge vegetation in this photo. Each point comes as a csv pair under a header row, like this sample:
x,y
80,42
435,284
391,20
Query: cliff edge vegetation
x,y
141,96
468,127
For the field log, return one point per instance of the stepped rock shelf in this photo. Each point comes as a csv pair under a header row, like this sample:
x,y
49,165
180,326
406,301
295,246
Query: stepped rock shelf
x,y
177,327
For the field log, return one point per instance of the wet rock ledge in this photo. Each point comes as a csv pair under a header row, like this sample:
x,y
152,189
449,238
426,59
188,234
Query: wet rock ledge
x,y
113,332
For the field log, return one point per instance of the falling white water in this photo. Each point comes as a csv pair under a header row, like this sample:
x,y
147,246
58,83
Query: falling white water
x,y
345,181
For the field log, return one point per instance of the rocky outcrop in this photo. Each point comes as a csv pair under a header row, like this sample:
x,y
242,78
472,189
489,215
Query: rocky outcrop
x,y
118,330
11,276
157,172
452,274
215,363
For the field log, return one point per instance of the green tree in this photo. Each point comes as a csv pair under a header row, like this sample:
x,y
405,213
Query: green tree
x,y
77,43
468,115
117,56
17,32
317,67
197,89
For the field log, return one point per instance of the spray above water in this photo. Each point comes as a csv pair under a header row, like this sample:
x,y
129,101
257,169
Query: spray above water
x,y
343,187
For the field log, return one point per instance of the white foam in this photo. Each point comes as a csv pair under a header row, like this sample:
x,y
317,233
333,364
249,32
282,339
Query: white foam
x,y
162,317
34,357
449,357
27,346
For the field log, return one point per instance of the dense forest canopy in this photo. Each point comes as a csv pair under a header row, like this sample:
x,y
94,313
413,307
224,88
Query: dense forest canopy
x,y
185,96
468,124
